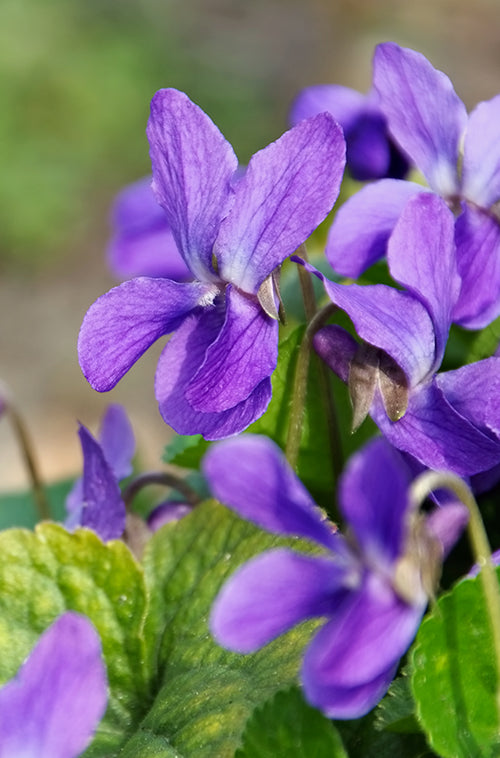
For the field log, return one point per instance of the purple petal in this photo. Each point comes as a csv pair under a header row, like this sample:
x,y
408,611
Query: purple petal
x,y
347,702
478,257
424,114
368,148
287,190
179,362
391,320
344,104
270,594
52,707
474,392
363,225
365,636
166,513
481,161
438,435
252,476
117,441
120,326
447,524
337,348
142,243
374,500
244,353
192,169
421,257
103,508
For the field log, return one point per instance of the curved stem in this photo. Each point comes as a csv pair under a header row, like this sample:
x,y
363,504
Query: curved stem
x,y
420,489
163,478
27,450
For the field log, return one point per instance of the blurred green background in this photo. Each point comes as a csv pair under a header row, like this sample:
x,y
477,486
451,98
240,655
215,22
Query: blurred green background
x,y
76,80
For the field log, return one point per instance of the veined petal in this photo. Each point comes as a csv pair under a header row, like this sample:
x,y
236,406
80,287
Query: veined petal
x,y
142,243
120,326
337,348
481,161
474,392
391,320
288,189
193,165
271,593
422,257
374,499
365,636
424,114
363,224
117,440
180,360
103,509
477,237
252,477
53,705
244,353
347,702
438,435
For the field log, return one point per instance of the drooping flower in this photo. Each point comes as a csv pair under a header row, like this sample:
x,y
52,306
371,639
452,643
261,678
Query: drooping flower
x,y
213,376
371,586
54,704
448,420
142,243
371,152
428,120
95,500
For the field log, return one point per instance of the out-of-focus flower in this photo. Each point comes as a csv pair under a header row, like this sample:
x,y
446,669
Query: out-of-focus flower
x,y
428,120
142,243
95,500
213,376
371,152
371,586
55,702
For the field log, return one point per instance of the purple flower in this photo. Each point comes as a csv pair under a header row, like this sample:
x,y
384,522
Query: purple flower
x,y
371,153
371,586
142,243
213,376
95,500
53,705
448,420
428,120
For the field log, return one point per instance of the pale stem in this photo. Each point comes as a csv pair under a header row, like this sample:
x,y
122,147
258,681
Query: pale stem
x,y
164,479
421,488
28,453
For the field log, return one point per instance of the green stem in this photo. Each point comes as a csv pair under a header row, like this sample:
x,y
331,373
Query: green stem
x,y
300,385
27,450
421,488
164,479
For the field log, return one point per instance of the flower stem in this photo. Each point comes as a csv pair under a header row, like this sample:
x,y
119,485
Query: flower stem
x,y
28,453
421,488
163,478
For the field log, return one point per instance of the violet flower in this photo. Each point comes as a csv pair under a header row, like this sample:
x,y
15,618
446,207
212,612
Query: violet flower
x,y
448,420
430,123
213,376
371,586
95,500
53,705
142,243
371,152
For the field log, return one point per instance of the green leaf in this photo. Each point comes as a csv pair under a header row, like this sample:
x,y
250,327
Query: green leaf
x,y
485,343
396,712
454,676
185,450
19,509
287,726
206,694
363,740
45,573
